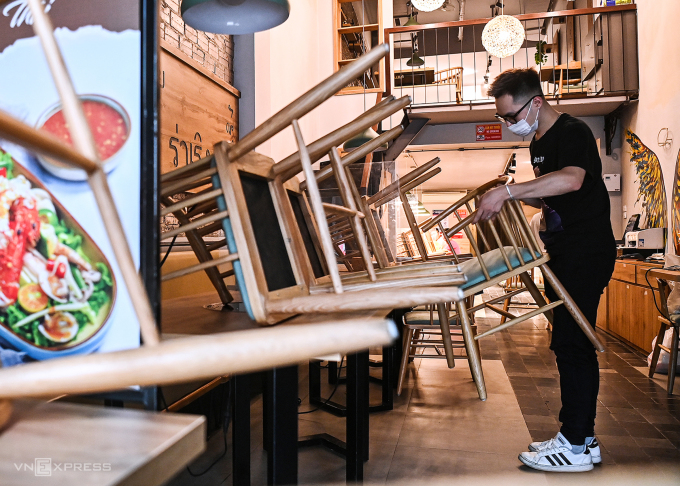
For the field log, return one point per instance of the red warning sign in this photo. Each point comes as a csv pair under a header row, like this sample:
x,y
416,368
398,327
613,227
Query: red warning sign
x,y
492,131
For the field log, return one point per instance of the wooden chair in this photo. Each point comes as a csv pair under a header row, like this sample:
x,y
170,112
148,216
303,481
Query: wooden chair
x,y
452,76
563,75
275,269
198,216
513,284
667,322
423,331
513,250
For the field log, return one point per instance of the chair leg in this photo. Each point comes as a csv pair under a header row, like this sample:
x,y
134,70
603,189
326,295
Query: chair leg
x,y
472,351
571,307
404,359
412,349
506,306
446,334
673,362
536,294
657,350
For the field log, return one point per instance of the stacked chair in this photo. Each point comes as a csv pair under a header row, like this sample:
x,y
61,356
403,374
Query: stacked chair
x,y
270,290
274,234
512,251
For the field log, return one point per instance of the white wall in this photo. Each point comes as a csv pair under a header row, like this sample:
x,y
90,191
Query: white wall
x,y
292,58
659,103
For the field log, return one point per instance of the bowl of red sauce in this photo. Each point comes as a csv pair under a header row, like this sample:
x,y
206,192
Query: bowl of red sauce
x,y
110,126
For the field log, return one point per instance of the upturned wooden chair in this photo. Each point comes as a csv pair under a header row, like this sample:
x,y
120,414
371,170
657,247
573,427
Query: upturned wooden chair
x,y
513,250
198,216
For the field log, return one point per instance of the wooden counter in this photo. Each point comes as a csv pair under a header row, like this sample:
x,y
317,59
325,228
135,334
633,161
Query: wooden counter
x,y
65,443
627,307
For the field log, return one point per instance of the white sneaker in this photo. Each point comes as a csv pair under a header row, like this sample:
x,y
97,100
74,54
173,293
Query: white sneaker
x,y
593,446
557,456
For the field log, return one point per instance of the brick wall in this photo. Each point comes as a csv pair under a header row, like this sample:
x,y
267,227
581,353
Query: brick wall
x,y
214,51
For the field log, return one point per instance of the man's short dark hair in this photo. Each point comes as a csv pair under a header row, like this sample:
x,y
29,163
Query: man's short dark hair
x,y
518,83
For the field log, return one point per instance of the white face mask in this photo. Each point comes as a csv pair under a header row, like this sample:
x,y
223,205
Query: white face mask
x,y
522,128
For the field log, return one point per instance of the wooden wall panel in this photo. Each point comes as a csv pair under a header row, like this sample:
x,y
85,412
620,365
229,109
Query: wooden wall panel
x,y
195,112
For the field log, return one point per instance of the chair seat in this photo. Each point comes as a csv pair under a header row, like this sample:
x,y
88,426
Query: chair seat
x,y
516,286
423,318
494,264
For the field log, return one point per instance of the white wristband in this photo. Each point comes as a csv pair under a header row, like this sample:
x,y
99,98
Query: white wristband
x,y
507,187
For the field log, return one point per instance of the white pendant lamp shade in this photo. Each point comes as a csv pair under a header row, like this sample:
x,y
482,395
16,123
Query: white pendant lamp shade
x,y
503,36
427,5
234,17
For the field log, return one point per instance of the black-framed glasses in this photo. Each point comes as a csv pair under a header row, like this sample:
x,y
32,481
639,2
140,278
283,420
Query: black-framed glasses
x,y
513,118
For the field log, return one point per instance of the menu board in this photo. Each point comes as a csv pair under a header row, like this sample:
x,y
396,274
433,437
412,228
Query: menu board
x,y
61,292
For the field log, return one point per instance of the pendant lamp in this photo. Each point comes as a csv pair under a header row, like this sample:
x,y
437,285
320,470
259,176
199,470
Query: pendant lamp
x,y
415,60
234,17
503,36
427,5
411,21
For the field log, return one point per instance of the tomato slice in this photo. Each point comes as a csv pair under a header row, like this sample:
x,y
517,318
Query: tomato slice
x,y
32,298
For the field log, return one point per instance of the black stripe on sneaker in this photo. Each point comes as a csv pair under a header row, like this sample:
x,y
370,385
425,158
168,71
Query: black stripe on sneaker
x,y
557,459
565,459
552,463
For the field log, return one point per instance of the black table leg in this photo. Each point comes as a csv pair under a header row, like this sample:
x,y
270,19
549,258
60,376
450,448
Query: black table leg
x,y
357,415
240,449
281,391
387,372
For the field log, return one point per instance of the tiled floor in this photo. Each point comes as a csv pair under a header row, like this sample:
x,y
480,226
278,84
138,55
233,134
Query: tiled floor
x,y
440,429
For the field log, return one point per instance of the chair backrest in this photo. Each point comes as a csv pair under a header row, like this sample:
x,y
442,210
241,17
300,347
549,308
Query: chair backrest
x,y
398,189
192,200
508,236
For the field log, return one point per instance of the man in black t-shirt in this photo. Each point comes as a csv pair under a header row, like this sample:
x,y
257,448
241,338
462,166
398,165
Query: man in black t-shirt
x,y
581,245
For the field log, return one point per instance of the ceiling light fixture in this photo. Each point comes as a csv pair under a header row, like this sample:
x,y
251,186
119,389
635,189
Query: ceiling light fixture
x,y
234,17
415,60
503,35
411,21
427,5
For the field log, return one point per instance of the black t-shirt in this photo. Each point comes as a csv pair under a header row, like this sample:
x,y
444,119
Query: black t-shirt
x,y
584,215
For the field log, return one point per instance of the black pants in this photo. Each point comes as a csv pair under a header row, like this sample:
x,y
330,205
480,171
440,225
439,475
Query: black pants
x,y
584,277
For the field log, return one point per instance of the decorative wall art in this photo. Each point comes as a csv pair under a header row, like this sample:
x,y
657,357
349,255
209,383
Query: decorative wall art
x,y
651,191
675,209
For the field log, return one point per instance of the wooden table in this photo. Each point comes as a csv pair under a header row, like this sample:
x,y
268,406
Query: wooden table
x,y
187,316
77,444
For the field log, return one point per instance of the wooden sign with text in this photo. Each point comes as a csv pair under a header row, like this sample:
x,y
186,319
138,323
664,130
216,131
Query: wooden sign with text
x,y
195,111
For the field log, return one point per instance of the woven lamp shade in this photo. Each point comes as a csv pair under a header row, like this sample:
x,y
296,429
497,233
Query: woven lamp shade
x,y
503,36
427,5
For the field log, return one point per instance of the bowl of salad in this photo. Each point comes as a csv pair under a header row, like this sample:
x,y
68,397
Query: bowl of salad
x,y
57,290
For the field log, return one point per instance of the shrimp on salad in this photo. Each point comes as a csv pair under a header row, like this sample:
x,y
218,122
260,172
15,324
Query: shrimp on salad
x,y
48,285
